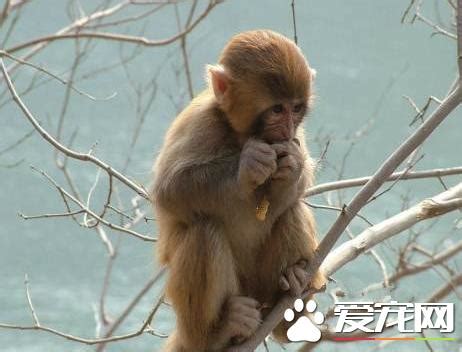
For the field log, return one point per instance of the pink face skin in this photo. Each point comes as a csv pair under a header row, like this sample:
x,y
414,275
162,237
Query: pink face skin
x,y
281,120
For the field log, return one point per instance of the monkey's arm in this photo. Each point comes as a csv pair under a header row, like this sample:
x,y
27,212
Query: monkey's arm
x,y
208,183
192,187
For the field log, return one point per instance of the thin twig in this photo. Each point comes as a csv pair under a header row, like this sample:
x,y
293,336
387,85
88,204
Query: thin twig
x,y
29,301
128,309
70,153
55,76
115,36
91,212
17,143
294,22
402,175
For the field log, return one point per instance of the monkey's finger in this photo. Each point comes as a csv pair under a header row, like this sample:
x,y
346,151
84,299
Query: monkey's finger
x,y
284,283
244,300
266,159
303,263
281,174
248,310
268,167
295,287
301,275
287,161
251,324
251,313
256,156
261,172
254,165
269,154
262,147
245,323
281,149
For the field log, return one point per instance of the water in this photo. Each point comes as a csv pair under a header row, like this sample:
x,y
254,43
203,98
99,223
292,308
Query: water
x,y
366,61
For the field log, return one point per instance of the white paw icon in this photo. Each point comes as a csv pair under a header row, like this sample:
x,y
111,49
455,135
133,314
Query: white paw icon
x,y
304,329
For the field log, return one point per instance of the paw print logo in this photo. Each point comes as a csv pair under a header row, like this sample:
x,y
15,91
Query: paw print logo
x,y
304,329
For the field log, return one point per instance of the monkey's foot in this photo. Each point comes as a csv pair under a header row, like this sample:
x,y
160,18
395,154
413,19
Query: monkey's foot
x,y
242,317
295,278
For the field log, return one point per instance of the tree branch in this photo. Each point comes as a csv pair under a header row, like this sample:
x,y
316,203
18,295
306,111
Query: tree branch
x,y
69,152
116,36
401,175
144,327
426,209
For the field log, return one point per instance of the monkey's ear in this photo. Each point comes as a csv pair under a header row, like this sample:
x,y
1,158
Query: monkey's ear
x,y
313,74
219,80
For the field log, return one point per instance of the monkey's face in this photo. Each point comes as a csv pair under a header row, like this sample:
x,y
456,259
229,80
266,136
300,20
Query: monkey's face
x,y
263,85
279,122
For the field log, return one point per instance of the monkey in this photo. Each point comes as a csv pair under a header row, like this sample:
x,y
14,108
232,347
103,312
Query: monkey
x,y
228,193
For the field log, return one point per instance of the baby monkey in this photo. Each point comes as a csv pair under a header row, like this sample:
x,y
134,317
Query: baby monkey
x,y
228,195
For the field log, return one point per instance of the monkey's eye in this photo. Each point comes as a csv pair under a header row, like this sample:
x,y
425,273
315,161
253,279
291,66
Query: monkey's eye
x,y
298,108
278,108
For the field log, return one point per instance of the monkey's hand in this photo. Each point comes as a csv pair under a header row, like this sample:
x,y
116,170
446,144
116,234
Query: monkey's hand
x,y
257,163
290,161
295,279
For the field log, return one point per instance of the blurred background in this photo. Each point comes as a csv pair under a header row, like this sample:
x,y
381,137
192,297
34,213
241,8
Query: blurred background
x,y
367,63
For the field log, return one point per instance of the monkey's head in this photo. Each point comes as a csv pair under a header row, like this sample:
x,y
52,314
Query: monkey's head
x,y
263,84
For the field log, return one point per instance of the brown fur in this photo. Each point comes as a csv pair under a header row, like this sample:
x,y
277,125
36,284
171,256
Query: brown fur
x,y
209,236
263,66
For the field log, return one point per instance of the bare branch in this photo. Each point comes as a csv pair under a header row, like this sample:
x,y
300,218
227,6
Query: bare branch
x,y
412,269
420,112
103,236
338,209
76,25
348,251
70,153
443,291
144,327
11,28
131,18
112,226
116,36
129,308
401,175
55,76
459,39
438,29
17,143
184,51
29,301
52,215
294,22
5,11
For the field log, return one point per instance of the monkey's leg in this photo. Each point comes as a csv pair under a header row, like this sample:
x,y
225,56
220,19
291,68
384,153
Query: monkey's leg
x,y
203,288
290,248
